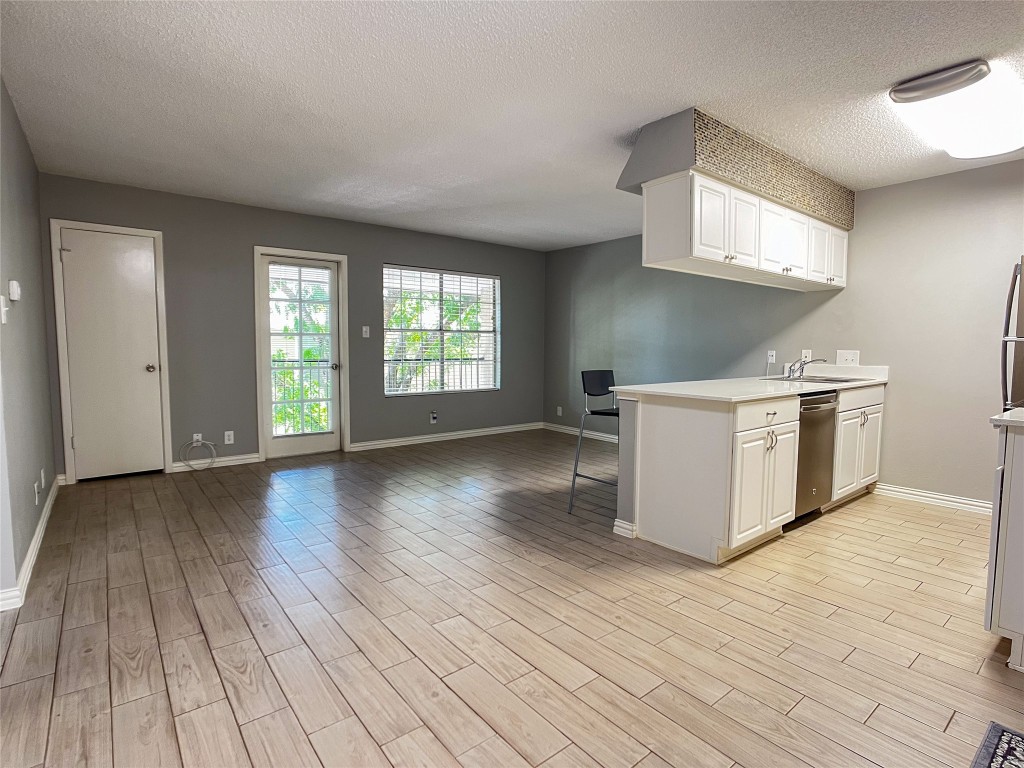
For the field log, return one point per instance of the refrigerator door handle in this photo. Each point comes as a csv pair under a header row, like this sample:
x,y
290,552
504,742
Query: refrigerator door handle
x,y
1004,359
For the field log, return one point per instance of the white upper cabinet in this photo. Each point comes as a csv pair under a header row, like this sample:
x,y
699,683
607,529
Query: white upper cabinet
x,y
697,224
796,244
837,247
710,219
774,236
744,219
817,252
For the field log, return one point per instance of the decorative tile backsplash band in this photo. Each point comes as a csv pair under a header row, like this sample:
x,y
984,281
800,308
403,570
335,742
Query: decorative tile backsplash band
x,y
736,157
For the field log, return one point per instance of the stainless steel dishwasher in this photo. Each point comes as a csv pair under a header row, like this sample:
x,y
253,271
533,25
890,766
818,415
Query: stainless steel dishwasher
x,y
817,448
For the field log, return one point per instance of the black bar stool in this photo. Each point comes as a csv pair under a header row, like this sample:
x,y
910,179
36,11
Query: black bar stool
x,y
595,384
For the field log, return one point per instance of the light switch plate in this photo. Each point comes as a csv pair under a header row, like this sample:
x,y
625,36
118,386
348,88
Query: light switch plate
x,y
847,357
366,331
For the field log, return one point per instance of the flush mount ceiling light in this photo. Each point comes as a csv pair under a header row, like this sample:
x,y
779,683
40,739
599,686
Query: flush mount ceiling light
x,y
974,109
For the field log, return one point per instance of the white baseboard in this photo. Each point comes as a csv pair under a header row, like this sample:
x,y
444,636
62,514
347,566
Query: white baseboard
x,y
62,479
936,499
622,528
370,445
15,596
586,432
220,461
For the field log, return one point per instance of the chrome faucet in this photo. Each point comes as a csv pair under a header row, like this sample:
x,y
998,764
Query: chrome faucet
x,y
796,368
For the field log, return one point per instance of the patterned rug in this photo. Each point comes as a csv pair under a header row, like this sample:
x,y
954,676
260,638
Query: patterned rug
x,y
1002,747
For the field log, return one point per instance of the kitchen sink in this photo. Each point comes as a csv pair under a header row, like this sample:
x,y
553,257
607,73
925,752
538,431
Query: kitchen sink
x,y
817,379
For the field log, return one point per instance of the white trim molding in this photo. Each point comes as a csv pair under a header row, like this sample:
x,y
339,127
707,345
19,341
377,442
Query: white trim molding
x,y
63,366
15,596
622,528
935,499
604,436
370,445
220,461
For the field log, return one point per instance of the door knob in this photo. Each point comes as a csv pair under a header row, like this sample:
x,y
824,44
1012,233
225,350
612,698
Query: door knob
x,y
335,366
150,367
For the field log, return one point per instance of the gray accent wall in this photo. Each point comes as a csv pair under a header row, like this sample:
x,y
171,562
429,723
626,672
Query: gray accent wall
x,y
208,269
23,359
929,266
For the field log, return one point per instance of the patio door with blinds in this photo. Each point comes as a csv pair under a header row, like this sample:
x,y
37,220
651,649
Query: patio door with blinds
x,y
300,360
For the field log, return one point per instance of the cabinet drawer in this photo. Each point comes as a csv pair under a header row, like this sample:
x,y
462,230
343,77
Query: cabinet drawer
x,y
861,398
765,413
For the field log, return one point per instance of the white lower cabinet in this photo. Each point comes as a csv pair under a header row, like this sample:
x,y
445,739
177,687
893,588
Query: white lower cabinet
x,y
858,449
763,481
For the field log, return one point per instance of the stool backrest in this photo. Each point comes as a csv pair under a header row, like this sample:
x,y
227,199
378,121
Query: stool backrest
x,y
598,383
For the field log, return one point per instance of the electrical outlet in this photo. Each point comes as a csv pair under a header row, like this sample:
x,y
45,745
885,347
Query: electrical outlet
x,y
558,411
806,355
433,417
847,357
771,355
229,437
197,438
35,487
366,331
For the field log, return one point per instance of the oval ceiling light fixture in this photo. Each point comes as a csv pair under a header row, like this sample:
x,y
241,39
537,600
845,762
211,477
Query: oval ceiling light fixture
x,y
975,109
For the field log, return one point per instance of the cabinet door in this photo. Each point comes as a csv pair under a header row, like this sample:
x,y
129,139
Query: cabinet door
x,y
817,252
771,247
837,247
847,454
749,485
743,221
871,444
797,226
781,506
710,214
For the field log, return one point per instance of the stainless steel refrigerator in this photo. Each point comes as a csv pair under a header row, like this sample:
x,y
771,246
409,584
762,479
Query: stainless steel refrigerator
x,y
1012,369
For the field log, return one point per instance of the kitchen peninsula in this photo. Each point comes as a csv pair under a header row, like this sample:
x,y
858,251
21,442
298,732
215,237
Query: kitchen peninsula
x,y
709,468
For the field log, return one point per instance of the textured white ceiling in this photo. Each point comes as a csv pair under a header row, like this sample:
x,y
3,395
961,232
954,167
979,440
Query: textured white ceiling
x,y
506,122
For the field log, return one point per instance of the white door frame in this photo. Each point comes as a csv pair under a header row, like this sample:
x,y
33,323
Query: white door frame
x,y
62,333
262,361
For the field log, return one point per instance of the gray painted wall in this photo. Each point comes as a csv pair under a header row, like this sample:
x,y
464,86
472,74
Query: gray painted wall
x,y
23,361
929,266
208,268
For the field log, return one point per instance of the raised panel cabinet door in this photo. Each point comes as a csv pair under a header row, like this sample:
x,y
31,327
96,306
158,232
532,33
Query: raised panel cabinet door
x,y
797,226
837,248
710,214
782,459
772,243
113,350
749,485
847,454
818,252
871,444
743,227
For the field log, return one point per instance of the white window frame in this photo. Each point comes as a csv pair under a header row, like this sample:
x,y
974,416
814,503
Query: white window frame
x,y
497,330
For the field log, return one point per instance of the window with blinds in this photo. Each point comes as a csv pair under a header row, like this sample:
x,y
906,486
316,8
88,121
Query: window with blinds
x,y
441,331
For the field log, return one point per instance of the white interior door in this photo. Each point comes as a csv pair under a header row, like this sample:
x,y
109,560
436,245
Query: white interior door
x,y
301,362
113,352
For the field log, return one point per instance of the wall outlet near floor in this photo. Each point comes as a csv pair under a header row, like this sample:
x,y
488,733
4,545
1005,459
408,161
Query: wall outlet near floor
x,y
433,417
558,411
197,438
229,437
847,357
771,355
35,487
806,355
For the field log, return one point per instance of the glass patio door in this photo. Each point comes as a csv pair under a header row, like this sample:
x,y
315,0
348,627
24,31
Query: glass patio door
x,y
301,403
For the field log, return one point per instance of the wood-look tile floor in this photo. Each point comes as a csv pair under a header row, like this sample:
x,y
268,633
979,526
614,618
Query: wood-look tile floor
x,y
435,606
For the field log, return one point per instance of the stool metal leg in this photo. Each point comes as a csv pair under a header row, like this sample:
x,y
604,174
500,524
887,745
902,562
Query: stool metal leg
x,y
576,464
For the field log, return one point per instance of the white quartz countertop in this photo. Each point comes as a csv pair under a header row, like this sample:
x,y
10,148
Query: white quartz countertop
x,y
1014,418
754,388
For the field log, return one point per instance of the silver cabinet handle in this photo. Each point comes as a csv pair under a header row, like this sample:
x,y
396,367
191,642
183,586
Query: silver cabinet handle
x,y
150,367
771,414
